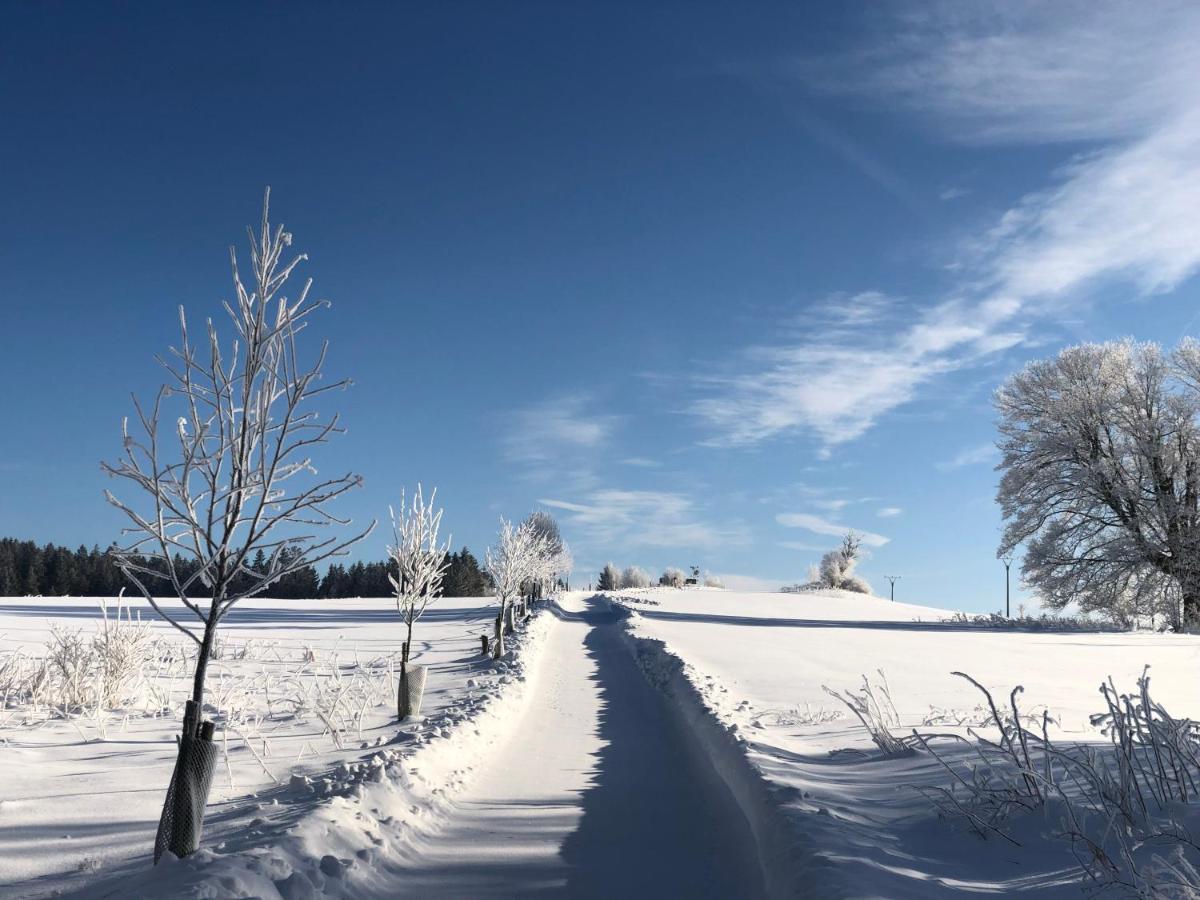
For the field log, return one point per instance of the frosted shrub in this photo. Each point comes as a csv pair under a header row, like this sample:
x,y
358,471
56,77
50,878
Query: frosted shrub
x,y
794,716
78,672
121,650
713,581
672,577
874,708
72,666
1124,809
635,577
1043,622
837,567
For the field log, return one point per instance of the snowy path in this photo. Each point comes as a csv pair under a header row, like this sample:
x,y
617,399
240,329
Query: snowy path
x,y
597,794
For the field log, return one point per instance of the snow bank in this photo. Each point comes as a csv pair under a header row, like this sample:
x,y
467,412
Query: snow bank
x,y
786,859
329,830
832,815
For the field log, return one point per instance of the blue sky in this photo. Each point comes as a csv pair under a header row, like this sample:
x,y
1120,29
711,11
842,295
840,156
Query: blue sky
x,y
709,286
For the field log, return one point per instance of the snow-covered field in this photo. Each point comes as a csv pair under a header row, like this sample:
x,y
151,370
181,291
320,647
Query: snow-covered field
x,y
684,747
833,815
304,694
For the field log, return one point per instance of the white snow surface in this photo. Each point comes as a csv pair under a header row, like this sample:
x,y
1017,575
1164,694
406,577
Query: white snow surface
x,y
832,816
652,743
81,797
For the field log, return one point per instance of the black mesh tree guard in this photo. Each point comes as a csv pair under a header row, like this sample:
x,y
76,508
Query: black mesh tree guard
x,y
182,820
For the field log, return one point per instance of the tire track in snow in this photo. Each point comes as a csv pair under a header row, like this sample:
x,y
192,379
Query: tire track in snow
x,y
595,795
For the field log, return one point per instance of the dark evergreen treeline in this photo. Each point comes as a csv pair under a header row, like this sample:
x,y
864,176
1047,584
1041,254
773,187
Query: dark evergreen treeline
x,y
28,570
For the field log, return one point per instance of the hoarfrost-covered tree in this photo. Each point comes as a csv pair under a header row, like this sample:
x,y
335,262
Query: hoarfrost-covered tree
x,y
545,526
836,569
672,577
222,457
1101,478
635,577
511,563
554,560
421,562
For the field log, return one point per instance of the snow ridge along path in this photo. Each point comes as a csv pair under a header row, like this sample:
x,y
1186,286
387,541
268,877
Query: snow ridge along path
x,y
599,792
342,839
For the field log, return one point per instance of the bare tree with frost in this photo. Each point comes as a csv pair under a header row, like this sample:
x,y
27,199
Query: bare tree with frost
x,y
222,457
672,577
554,559
635,577
1101,478
511,563
421,562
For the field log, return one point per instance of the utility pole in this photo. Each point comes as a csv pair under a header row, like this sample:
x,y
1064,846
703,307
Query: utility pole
x,y
892,579
1007,559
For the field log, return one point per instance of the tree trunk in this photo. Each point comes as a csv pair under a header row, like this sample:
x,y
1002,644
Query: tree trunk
x,y
210,633
498,643
1191,608
402,693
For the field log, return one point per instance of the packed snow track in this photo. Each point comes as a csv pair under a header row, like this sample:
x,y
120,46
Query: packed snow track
x,y
598,793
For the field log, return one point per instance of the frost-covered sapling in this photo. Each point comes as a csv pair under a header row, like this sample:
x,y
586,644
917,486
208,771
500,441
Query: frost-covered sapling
x,y
511,563
421,562
552,561
222,459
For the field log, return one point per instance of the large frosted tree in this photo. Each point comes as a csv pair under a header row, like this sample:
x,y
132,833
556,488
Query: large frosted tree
x,y
1101,478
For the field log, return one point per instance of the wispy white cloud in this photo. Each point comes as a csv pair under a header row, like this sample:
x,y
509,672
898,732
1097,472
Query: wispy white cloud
x,y
641,462
817,525
889,512
832,505
644,519
1124,77
803,547
972,456
544,430
1074,70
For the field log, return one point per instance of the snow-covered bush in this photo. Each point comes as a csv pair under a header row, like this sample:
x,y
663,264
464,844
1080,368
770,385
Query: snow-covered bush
x,y
713,581
122,648
80,672
1043,622
635,577
837,566
672,577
